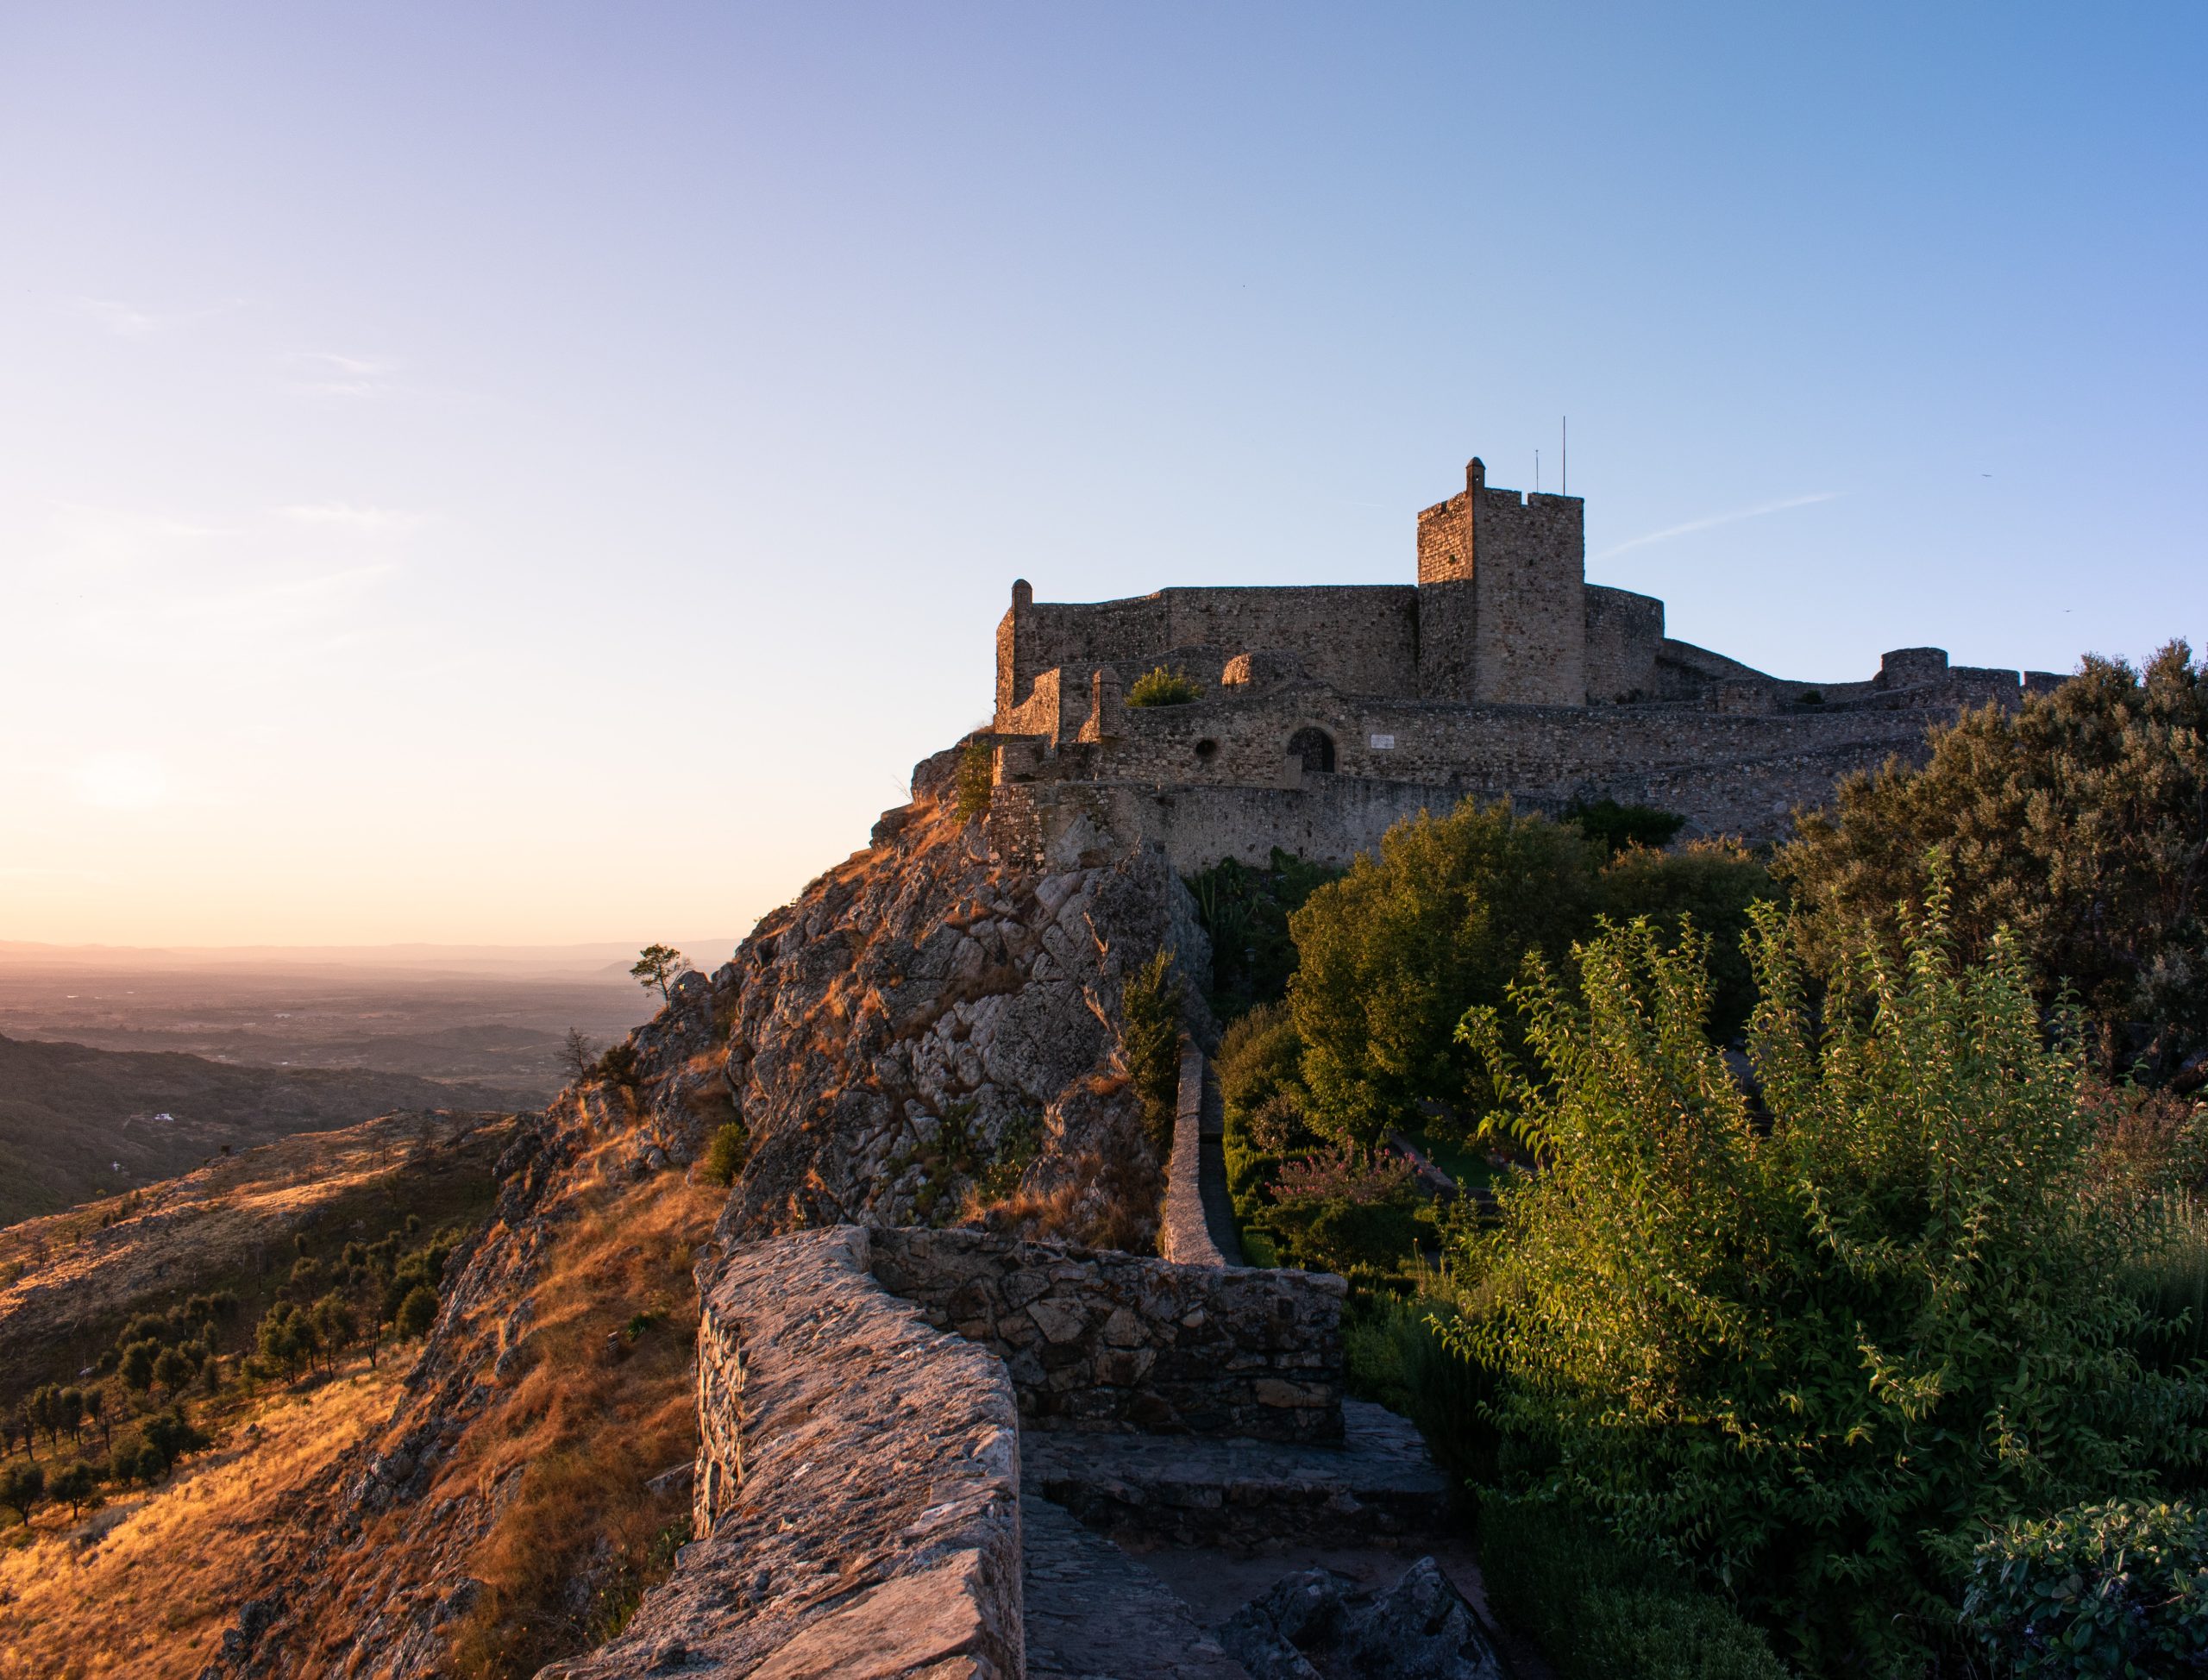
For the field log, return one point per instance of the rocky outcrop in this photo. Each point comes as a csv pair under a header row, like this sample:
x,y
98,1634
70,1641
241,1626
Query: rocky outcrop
x,y
858,1493
928,1015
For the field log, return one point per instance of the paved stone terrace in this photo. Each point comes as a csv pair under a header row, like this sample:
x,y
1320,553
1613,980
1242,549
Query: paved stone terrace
x,y
1093,1612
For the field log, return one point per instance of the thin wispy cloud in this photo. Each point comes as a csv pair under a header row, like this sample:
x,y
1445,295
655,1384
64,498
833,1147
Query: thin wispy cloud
x,y
1716,519
327,373
129,321
346,517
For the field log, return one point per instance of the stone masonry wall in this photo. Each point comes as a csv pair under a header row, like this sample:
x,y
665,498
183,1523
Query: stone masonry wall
x,y
1107,1341
1738,771
1363,639
1530,572
858,1488
1625,631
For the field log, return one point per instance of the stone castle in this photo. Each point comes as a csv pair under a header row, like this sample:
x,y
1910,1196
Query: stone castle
x,y
1327,712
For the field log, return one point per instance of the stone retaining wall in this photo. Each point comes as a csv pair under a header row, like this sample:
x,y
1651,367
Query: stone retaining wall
x,y
1109,1341
857,1501
1183,1233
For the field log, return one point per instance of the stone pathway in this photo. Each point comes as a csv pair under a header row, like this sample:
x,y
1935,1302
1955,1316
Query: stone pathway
x,y
1094,1614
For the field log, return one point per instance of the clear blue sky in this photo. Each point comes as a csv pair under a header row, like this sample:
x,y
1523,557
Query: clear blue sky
x,y
544,473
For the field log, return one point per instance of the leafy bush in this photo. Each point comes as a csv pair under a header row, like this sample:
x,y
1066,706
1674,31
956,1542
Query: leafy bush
x,y
725,1153
1150,1009
2080,822
1614,826
1394,952
2115,1588
617,1066
418,1311
1813,1351
978,772
1244,912
1710,884
1340,1211
1397,1353
1601,1610
1159,686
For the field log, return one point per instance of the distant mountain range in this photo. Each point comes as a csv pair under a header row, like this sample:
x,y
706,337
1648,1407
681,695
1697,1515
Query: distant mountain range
x,y
76,1123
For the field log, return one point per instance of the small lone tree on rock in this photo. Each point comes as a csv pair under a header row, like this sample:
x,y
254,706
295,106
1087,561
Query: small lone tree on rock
x,y
660,965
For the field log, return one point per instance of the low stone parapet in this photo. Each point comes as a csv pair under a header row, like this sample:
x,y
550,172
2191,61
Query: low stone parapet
x,y
1183,1231
1102,1340
857,1503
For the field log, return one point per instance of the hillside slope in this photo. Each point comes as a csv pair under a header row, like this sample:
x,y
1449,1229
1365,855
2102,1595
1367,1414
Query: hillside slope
x,y
70,1115
926,1034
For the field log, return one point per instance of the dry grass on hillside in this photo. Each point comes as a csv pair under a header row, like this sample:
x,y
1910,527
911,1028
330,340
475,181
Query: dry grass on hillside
x,y
144,1588
607,1404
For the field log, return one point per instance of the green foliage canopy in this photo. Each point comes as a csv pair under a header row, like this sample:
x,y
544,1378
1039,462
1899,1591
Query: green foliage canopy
x,y
2113,1588
1816,1347
1392,954
2079,821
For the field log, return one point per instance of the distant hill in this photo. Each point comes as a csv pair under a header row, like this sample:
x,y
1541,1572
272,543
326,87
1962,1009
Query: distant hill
x,y
76,1123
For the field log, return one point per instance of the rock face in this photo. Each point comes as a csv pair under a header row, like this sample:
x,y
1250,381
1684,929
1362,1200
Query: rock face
x,y
926,1013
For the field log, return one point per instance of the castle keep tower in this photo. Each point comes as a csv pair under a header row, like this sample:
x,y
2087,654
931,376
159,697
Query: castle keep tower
x,y
1502,597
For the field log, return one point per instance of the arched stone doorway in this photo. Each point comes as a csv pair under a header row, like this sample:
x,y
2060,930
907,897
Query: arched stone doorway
x,y
1314,747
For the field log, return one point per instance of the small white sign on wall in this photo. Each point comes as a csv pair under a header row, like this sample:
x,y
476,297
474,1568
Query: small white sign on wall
x,y
1383,744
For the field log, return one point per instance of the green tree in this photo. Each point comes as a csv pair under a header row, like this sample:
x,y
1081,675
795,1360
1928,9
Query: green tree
x,y
416,1312
1245,913
137,1366
173,1368
977,772
1815,1349
660,965
1616,826
169,1435
96,1411
2080,822
1394,952
74,1486
22,1488
334,1323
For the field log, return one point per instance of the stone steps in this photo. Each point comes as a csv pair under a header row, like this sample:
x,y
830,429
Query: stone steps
x,y
1378,1485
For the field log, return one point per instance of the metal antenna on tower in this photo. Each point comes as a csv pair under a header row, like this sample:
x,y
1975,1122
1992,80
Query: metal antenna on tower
x,y
1537,472
1566,425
